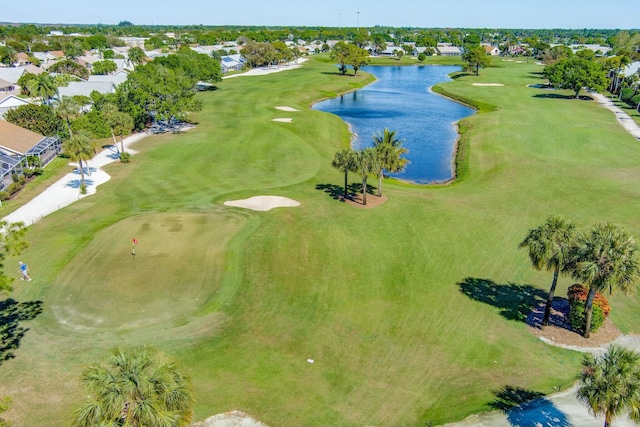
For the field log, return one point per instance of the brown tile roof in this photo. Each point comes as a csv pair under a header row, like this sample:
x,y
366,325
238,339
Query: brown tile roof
x,y
17,139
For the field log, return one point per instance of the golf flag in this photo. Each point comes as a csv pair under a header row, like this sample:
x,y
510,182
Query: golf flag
x,y
135,241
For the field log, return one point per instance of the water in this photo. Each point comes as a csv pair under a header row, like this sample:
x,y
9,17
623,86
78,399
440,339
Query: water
x,y
400,100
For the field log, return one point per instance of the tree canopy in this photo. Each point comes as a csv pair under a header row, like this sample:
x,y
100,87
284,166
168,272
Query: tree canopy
x,y
135,387
475,58
576,72
347,54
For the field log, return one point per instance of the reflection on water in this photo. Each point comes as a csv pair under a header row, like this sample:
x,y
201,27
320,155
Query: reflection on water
x,y
400,100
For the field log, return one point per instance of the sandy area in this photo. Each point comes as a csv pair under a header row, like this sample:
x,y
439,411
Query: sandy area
x,y
283,120
229,419
487,84
283,108
263,203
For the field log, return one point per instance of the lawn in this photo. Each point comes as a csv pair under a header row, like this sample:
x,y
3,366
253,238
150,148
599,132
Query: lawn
x,y
411,311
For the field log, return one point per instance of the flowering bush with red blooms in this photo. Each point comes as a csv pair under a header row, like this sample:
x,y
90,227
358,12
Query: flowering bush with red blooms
x,y
577,295
579,292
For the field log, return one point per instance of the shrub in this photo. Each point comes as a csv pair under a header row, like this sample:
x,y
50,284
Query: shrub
x,y
14,187
576,316
125,157
4,195
626,94
577,295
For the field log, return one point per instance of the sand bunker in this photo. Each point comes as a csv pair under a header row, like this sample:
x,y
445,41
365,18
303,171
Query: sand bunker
x,y
487,84
283,120
263,203
282,108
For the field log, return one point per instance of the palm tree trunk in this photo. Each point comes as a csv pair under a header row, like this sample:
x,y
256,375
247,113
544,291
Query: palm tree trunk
x,y
121,143
587,311
552,290
81,172
364,191
607,419
346,186
380,184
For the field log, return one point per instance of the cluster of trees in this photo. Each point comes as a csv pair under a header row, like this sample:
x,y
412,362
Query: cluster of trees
x,y
385,155
604,259
257,54
577,71
348,54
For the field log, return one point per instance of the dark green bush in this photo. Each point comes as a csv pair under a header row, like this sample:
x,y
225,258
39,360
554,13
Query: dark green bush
x,y
576,316
4,195
626,94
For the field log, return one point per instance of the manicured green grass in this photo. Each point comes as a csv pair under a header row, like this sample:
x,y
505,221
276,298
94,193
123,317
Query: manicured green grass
x,y
412,311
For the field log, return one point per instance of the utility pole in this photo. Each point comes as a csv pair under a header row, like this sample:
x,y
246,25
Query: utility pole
x,y
358,22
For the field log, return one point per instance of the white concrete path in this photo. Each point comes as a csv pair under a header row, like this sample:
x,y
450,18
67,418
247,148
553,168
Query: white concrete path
x,y
67,189
623,118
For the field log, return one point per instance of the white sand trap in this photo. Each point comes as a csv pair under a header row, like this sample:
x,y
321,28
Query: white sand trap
x,y
283,120
263,203
283,108
487,84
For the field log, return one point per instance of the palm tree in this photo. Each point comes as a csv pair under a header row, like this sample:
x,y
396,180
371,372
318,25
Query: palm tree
x,y
366,163
68,109
345,161
606,259
610,384
80,148
390,152
135,387
550,247
120,123
42,86
136,55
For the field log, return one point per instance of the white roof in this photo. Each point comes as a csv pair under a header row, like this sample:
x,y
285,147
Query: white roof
x,y
85,88
115,79
449,49
12,101
633,68
11,74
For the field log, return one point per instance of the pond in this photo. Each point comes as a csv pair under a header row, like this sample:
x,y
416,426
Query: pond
x,y
400,100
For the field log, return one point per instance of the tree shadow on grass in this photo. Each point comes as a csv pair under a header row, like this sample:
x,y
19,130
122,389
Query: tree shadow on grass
x,y
337,191
525,408
513,301
12,314
561,96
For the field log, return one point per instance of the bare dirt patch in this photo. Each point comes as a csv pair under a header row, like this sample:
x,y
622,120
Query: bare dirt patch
x,y
560,333
372,201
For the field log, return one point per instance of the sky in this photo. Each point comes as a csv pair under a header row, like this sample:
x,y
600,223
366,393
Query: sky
x,y
537,14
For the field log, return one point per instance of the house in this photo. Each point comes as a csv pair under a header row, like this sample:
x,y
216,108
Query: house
x,y
17,143
448,50
633,68
492,50
231,63
116,78
85,88
7,87
9,102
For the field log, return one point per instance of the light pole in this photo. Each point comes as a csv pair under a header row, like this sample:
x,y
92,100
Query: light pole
x,y
340,14
358,22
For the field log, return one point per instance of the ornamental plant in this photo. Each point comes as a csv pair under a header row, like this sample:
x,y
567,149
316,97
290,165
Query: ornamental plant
x,y
577,295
